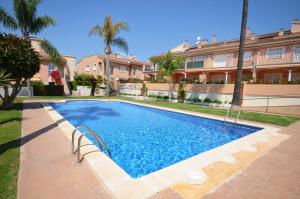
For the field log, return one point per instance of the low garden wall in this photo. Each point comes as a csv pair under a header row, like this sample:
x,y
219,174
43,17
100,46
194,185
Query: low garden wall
x,y
219,92
255,95
23,92
131,88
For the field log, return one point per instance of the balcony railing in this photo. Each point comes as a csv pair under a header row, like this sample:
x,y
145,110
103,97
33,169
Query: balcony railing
x,y
195,64
285,59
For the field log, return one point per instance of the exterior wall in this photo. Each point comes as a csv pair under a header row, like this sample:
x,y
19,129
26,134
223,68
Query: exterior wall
x,y
43,74
117,73
89,61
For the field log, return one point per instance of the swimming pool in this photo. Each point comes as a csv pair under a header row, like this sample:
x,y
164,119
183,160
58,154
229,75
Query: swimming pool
x,y
144,140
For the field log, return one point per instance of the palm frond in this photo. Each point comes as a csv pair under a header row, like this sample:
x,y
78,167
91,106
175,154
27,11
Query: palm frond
x,y
120,43
7,20
32,6
121,26
53,53
41,23
96,30
21,14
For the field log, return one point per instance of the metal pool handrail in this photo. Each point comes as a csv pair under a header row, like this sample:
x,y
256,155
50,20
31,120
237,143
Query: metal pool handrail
x,y
229,113
91,132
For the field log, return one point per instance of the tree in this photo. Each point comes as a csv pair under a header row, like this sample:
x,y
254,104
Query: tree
x,y
167,65
20,61
4,77
109,33
237,95
27,21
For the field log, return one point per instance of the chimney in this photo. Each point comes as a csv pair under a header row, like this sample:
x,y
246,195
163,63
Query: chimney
x,y
203,42
248,32
295,26
214,39
281,32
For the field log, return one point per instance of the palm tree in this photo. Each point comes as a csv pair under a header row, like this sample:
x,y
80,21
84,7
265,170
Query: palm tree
x,y
236,100
109,33
167,66
27,21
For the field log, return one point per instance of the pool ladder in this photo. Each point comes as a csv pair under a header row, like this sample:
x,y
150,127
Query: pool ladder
x,y
229,113
92,133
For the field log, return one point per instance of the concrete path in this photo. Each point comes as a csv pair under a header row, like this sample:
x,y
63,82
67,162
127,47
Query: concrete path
x,y
47,168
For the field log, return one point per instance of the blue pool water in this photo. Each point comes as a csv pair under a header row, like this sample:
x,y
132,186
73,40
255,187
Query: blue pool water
x,y
143,140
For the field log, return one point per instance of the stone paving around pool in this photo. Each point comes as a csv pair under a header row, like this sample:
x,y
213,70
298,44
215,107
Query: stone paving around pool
x,y
204,175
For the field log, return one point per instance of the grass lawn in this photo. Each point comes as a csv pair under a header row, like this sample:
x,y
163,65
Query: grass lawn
x,y
10,131
275,119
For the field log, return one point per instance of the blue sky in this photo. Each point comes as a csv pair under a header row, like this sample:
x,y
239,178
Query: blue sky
x,y
157,25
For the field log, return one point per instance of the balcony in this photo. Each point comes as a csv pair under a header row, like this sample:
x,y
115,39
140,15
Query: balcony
x,y
287,58
195,64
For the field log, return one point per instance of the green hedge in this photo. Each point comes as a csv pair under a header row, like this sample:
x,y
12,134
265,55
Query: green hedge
x,y
39,88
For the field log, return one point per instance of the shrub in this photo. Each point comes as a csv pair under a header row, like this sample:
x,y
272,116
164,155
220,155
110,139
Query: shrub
x,y
217,102
84,79
38,88
130,80
74,85
207,100
196,100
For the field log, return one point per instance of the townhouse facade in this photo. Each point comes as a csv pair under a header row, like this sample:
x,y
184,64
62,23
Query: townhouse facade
x,y
268,58
66,72
120,67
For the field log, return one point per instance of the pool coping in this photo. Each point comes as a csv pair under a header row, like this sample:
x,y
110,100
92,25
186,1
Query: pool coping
x,y
189,171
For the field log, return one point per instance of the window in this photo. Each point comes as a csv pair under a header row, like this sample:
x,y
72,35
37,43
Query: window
x,y
274,53
195,62
94,66
248,56
133,70
297,54
221,60
273,77
87,68
123,69
51,68
100,68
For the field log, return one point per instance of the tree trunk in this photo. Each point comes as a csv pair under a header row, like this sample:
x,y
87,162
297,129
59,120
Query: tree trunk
x,y
170,89
7,100
237,95
107,71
